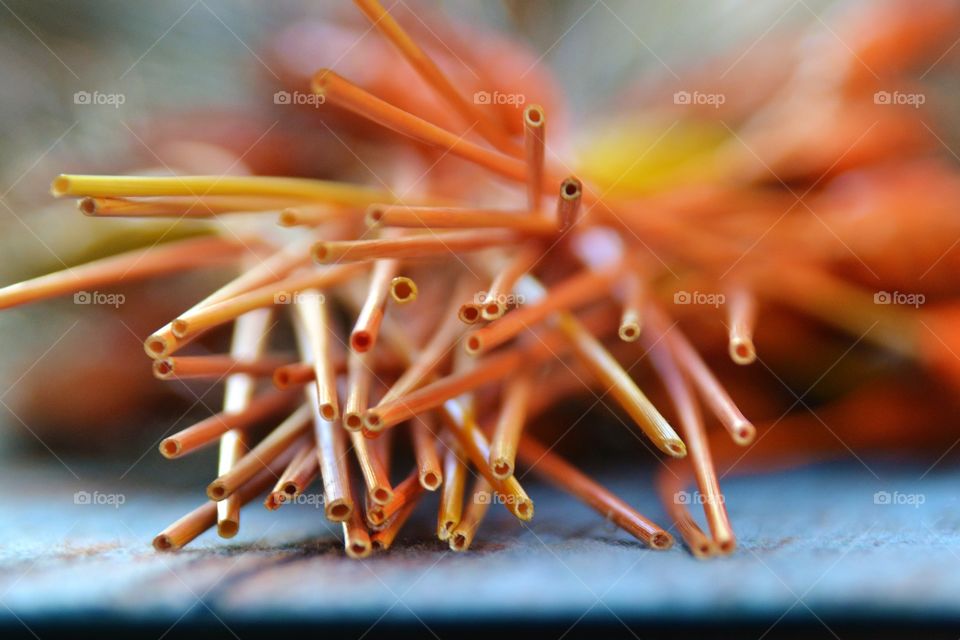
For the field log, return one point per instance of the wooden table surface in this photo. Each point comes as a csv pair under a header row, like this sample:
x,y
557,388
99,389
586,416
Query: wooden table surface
x,y
815,545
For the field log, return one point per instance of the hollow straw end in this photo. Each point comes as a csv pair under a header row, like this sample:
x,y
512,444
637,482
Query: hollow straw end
x,y
675,448
743,433
661,541
60,186
321,81
742,352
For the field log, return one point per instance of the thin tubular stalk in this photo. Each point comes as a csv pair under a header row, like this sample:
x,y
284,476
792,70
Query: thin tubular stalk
x,y
303,475
268,186
699,543
451,498
695,437
374,473
348,96
742,316
279,292
464,428
631,322
307,215
179,207
276,442
356,538
359,380
404,493
383,539
423,435
568,204
332,457
432,75
316,331
431,356
204,517
278,496
169,257
501,289
207,431
462,535
573,292
365,331
250,334
534,134
562,474
624,390
381,215
711,391
290,375
214,367
419,246
163,342
510,423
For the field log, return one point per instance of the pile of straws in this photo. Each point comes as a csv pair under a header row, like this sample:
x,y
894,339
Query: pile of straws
x,y
544,300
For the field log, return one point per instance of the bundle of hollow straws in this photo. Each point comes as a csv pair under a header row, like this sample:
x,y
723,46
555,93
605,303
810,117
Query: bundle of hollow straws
x,y
551,282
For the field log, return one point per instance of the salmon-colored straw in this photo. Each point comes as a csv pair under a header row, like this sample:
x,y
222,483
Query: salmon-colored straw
x,y
347,95
169,257
250,335
671,494
451,498
432,75
356,538
510,423
332,456
695,437
278,496
428,245
464,428
207,431
374,472
462,535
280,292
549,344
742,316
382,215
303,475
634,294
469,313
179,206
277,441
203,186
423,434
562,474
711,391
404,493
573,292
432,355
214,367
534,136
501,289
290,375
359,379
187,528
383,539
316,333
568,204
367,327
163,342
312,215
403,290
621,386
